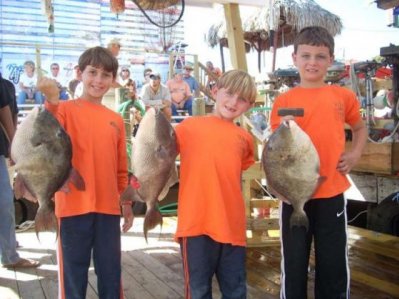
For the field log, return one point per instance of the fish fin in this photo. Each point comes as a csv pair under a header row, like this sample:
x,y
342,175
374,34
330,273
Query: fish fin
x,y
299,219
45,220
152,218
65,188
130,194
76,179
173,179
21,190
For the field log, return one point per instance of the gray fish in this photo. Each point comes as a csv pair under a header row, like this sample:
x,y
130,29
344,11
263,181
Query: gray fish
x,y
153,164
42,152
291,164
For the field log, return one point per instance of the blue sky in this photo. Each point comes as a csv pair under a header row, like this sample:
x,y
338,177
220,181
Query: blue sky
x,y
364,32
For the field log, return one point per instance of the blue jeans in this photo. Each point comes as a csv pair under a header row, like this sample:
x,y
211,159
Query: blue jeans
x,y
202,258
8,243
188,105
80,237
22,97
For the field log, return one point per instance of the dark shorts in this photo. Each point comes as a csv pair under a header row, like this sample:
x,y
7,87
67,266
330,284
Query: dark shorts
x,y
203,258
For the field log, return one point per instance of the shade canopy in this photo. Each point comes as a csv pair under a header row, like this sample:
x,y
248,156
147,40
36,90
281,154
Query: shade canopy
x,y
283,17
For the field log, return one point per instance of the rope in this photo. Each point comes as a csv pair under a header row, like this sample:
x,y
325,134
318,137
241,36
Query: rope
x,y
24,226
354,218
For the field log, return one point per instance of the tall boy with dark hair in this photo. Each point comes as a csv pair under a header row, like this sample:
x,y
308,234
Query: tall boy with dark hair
x,y
327,109
90,220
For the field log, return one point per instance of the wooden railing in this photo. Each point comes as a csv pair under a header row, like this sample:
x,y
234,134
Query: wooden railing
x,y
204,76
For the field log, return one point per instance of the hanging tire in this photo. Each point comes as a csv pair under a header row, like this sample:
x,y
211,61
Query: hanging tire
x,y
385,217
21,212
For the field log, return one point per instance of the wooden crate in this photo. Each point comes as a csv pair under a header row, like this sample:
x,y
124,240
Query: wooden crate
x,y
381,158
263,224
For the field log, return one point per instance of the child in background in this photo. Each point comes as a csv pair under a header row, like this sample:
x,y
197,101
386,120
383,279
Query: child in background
x,y
327,109
137,111
90,220
211,227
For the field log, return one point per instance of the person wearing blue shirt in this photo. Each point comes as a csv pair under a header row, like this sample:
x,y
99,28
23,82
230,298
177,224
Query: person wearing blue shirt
x,y
191,81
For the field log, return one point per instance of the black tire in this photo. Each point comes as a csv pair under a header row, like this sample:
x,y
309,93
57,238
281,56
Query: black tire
x,y
21,212
385,217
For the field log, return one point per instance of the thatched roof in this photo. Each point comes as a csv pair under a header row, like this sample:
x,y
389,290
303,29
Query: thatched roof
x,y
286,17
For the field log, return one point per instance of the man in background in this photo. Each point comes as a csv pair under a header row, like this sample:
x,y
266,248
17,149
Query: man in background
x,y
155,94
8,121
55,74
190,80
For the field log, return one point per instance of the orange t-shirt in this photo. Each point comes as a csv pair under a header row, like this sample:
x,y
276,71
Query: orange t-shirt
x,y
99,154
213,154
327,109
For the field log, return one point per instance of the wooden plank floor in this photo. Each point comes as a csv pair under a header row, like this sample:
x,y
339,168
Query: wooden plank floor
x,y
154,270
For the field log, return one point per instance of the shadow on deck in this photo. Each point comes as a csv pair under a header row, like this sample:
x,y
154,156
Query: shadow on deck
x,y
154,270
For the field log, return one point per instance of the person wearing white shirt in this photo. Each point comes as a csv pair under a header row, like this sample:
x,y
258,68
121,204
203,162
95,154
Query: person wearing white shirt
x,y
27,85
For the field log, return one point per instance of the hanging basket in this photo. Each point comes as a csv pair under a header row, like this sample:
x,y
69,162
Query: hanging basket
x,y
155,4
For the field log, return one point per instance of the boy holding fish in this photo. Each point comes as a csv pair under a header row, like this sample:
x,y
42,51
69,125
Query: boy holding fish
x,y
211,227
327,108
90,220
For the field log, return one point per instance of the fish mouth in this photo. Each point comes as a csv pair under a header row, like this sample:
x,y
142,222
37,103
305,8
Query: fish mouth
x,y
286,123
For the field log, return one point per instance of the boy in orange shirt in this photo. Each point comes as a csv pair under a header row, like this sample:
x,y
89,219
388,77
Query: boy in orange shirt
x,y
211,226
327,109
90,220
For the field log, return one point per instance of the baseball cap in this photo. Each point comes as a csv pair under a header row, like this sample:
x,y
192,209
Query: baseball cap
x,y
188,67
114,41
155,76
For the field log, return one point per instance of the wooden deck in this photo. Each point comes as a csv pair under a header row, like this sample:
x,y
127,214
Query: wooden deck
x,y
154,270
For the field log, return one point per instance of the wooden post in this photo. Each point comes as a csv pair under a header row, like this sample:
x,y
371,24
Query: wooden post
x,y
275,42
222,57
235,36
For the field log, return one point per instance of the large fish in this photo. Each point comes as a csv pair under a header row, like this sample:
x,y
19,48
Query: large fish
x,y
42,153
153,165
291,164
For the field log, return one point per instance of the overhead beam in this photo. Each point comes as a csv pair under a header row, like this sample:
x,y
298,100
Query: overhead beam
x,y
387,4
235,36
258,3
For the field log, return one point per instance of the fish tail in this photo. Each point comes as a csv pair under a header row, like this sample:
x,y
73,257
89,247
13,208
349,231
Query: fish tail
x,y
45,220
152,218
299,218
